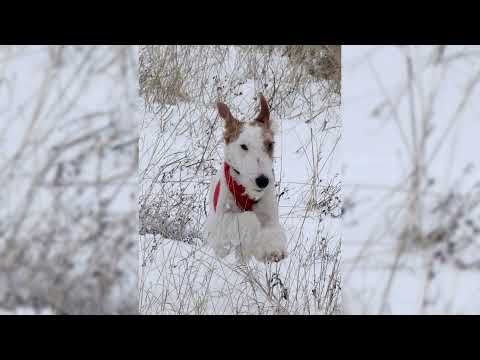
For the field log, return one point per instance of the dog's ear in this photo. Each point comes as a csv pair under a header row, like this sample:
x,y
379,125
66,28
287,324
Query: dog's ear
x,y
224,111
264,116
232,125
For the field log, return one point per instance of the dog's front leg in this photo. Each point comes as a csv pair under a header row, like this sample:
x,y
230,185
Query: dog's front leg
x,y
232,230
271,240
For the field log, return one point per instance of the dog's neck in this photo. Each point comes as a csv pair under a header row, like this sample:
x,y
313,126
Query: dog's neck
x,y
243,201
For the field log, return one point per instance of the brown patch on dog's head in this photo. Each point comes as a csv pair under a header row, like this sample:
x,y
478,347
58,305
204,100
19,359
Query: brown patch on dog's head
x,y
233,127
268,142
263,120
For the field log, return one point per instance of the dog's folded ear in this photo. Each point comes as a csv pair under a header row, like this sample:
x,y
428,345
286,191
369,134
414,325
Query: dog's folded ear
x,y
224,111
264,116
232,125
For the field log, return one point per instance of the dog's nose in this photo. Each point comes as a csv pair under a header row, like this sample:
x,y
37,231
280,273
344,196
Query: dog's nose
x,y
262,181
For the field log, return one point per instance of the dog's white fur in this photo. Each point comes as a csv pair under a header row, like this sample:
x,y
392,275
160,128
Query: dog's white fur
x,y
256,233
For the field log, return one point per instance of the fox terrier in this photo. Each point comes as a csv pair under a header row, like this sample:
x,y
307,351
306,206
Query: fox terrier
x,y
243,211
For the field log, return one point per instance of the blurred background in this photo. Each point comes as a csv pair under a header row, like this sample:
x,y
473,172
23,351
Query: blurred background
x,y
411,220
68,160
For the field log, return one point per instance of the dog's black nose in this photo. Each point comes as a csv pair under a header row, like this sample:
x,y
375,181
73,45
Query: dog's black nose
x,y
262,181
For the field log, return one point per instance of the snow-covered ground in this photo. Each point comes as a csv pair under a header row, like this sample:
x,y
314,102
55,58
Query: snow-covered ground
x,y
376,174
181,275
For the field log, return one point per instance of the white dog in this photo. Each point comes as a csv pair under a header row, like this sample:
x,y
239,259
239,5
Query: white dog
x,y
243,213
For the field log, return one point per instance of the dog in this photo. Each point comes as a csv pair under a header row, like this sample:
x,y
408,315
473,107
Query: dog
x,y
243,211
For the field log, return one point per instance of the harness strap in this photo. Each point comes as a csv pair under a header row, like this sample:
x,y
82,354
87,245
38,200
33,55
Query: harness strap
x,y
243,201
215,196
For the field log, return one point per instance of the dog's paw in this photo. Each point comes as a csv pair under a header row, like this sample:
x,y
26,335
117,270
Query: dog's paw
x,y
275,255
271,245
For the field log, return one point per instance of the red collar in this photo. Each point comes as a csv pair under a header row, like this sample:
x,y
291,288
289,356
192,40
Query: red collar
x,y
242,200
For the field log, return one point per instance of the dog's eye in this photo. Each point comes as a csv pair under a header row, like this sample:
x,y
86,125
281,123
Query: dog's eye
x,y
244,147
270,146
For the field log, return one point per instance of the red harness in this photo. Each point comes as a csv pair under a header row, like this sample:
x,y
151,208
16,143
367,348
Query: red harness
x,y
242,200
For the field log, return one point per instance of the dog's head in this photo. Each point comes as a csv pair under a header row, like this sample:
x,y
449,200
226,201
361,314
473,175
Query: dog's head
x,y
249,149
